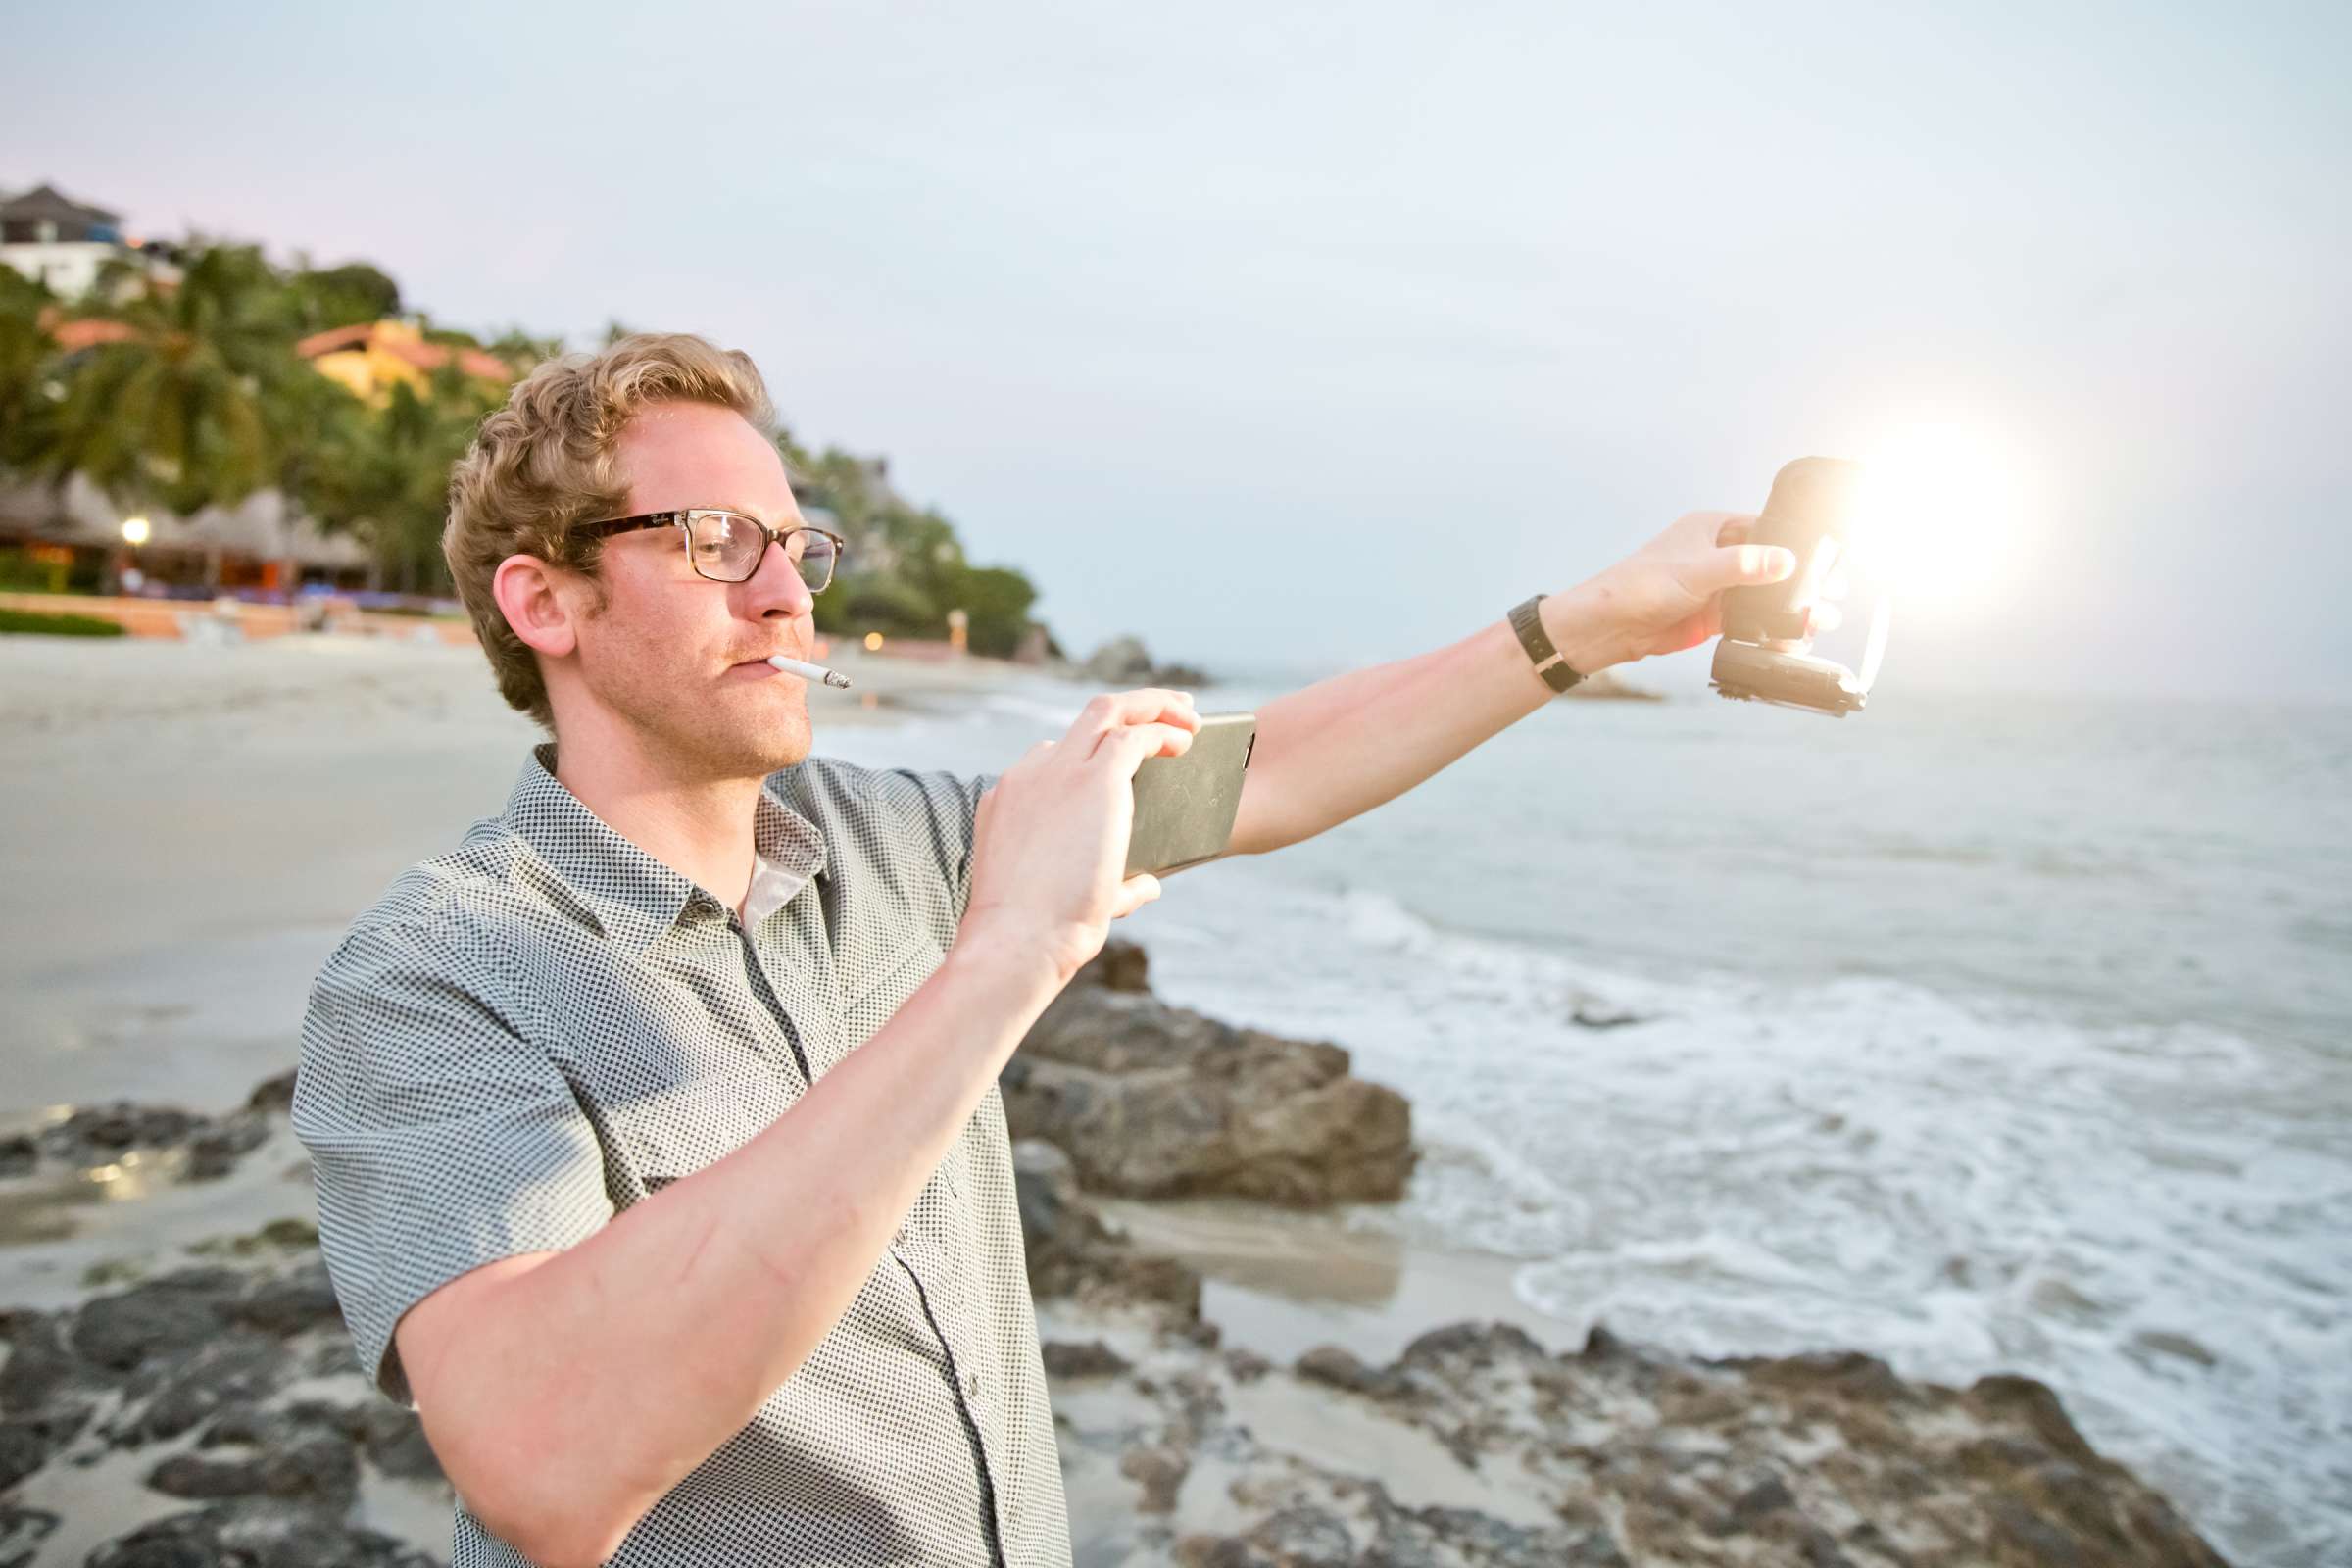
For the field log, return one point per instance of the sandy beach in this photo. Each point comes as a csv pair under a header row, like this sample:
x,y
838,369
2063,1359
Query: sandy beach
x,y
192,826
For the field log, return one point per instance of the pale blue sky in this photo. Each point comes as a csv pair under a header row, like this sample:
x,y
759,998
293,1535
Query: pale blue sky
x,y
1318,337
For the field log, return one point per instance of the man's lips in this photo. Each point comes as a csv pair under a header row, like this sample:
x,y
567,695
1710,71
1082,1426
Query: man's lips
x,y
758,670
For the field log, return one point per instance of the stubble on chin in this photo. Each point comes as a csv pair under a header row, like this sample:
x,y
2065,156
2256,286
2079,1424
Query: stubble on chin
x,y
719,745
712,737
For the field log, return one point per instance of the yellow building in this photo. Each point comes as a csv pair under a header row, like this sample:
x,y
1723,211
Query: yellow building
x,y
371,356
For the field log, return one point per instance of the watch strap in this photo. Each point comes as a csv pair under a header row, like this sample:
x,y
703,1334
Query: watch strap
x,y
1549,660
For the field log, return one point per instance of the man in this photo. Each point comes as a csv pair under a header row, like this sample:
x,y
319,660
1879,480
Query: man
x,y
660,1156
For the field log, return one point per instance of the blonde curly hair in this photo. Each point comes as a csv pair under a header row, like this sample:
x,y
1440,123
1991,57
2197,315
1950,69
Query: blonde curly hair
x,y
549,461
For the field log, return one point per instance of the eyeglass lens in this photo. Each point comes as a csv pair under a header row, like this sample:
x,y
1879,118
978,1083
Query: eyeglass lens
x,y
728,548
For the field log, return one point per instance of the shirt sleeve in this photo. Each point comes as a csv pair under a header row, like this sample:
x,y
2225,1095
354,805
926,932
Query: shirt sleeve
x,y
440,1136
950,802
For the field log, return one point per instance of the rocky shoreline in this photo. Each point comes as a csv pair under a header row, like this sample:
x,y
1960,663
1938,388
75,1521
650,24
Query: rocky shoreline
x,y
210,1413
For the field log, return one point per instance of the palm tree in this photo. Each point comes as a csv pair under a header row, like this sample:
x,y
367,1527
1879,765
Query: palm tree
x,y
191,406
384,472
27,369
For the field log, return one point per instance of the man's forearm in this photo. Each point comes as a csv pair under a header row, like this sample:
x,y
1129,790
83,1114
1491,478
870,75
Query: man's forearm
x,y
1339,747
608,1372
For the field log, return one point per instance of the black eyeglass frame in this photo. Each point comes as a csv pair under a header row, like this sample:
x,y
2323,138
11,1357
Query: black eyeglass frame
x,y
683,518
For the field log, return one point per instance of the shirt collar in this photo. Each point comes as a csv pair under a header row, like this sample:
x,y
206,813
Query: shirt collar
x,y
632,897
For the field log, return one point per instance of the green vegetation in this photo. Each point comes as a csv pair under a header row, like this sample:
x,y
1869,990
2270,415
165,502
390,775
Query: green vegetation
x,y
31,620
193,395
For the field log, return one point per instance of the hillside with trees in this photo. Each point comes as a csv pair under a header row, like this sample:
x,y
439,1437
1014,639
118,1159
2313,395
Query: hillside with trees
x,y
190,387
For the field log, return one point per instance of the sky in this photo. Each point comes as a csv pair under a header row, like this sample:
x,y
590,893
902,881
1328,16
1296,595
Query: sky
x,y
1302,338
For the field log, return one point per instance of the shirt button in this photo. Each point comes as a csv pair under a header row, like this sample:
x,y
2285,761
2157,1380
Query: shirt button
x,y
971,1384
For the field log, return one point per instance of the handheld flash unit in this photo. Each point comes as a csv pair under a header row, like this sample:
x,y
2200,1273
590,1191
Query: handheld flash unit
x,y
1765,654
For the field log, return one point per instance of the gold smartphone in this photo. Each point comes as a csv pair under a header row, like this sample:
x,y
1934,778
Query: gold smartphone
x,y
1185,805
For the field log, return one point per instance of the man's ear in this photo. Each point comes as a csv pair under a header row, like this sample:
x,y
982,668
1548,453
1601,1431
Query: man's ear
x,y
536,604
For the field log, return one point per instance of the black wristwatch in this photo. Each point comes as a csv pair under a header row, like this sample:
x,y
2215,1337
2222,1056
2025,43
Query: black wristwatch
x,y
1551,664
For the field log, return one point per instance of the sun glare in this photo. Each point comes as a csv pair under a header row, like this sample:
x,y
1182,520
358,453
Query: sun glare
x,y
1941,514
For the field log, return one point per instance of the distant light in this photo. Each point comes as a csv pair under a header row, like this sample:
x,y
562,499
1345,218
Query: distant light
x,y
873,641
135,530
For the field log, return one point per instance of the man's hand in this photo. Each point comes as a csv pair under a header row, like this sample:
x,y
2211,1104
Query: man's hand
x,y
1049,839
1667,595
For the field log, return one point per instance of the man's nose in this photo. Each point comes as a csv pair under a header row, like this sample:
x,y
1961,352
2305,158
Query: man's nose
x,y
775,587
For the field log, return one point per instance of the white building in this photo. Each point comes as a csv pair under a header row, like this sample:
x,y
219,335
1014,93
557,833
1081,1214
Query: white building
x,y
61,244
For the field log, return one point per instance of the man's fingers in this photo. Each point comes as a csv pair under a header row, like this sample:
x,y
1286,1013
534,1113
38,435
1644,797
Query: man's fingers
x,y
1108,709
1127,748
1745,567
1734,527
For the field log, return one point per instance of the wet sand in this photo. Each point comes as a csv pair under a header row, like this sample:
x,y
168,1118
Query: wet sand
x,y
1281,1282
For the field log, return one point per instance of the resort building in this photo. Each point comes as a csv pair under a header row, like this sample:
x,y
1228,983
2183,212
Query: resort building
x,y
372,356
73,538
62,244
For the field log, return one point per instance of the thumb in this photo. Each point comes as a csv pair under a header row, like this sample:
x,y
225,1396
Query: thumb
x,y
1747,566
1134,893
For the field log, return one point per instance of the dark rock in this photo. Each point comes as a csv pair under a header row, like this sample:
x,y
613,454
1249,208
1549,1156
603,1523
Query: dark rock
x,y
1341,1368
287,1303
1998,1457
1659,1458
1424,1537
1092,1359
191,1475
1766,1496
214,1151
1847,1372
2032,1404
396,1443
24,1528
274,1094
2148,1343
39,1359
1305,1538
99,1135
27,1442
1600,1344
2021,1539
1045,1185
247,1425
1161,1469
257,1534
1122,663
1153,1101
1474,1345
237,1368
1070,1252
322,1469
1121,966
168,1316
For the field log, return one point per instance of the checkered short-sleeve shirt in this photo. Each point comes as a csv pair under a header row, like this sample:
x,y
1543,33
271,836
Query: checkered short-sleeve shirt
x,y
530,1033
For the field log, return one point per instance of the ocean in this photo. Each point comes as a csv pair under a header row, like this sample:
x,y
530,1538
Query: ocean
x,y
1979,1033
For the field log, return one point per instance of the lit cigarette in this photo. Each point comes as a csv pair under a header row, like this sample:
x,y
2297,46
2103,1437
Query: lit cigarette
x,y
809,671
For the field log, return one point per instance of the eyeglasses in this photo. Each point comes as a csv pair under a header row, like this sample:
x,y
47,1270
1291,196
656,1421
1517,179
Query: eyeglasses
x,y
727,546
